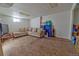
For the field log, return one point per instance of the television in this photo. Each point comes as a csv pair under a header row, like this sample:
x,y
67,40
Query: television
x,y
3,29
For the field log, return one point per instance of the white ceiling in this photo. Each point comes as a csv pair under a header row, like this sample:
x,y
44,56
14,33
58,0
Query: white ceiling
x,y
29,10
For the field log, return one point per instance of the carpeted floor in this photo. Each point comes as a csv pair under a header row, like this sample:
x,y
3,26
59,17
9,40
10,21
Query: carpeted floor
x,y
28,46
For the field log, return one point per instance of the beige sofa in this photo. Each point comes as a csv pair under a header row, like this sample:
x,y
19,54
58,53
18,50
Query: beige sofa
x,y
38,32
21,32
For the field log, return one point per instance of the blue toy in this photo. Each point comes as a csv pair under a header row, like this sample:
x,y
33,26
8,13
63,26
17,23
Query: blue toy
x,y
73,36
48,28
73,40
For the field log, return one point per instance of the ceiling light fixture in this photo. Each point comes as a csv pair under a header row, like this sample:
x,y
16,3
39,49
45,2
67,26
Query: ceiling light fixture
x,y
10,16
24,14
16,20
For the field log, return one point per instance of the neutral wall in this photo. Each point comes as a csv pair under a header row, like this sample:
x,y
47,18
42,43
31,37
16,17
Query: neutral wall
x,y
35,22
61,22
14,26
1,21
76,16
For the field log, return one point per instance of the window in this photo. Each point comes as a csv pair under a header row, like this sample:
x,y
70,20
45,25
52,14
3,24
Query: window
x,y
16,20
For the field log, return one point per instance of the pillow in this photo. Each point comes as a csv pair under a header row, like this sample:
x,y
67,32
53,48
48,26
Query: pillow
x,y
29,29
33,30
39,30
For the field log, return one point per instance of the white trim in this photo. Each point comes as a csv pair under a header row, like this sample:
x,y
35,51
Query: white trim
x,y
71,19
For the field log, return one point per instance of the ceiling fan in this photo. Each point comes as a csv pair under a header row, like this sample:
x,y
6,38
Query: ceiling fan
x,y
53,5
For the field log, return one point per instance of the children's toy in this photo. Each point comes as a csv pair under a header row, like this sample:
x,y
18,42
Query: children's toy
x,y
48,28
74,33
73,40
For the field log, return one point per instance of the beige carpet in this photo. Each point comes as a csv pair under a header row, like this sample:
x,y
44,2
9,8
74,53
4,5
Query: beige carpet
x,y
28,46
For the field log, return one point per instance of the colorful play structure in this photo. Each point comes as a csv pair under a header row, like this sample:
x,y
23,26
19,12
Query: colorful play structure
x,y
48,27
75,32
